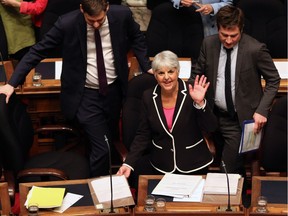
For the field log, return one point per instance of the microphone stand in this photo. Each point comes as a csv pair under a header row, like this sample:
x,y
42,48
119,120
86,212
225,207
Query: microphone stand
x,y
110,172
228,187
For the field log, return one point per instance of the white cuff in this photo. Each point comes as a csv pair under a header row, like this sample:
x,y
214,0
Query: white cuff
x,y
199,107
124,164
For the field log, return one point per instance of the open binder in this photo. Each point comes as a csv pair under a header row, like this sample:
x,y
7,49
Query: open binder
x,y
101,192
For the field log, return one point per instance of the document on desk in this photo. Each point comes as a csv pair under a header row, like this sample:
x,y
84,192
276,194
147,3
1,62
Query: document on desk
x,y
185,69
69,200
216,183
196,196
101,191
177,185
282,67
249,140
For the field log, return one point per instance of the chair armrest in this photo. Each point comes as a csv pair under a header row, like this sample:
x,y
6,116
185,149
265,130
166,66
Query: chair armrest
x,y
121,149
57,127
73,135
42,172
8,176
210,143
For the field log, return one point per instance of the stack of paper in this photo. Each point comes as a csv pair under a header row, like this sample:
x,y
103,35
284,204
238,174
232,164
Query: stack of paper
x,y
176,185
216,183
45,197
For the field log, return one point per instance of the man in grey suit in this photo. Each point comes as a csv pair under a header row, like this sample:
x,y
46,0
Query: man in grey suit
x,y
83,97
243,97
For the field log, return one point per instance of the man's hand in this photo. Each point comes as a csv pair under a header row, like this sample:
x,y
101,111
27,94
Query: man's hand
x,y
7,90
124,170
260,122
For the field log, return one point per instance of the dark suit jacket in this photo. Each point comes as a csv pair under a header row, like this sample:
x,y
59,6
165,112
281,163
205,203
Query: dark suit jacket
x,y
70,32
253,61
184,148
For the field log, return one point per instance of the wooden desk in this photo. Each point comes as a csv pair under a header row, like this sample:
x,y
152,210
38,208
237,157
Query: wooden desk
x,y
8,68
207,207
5,206
260,187
74,210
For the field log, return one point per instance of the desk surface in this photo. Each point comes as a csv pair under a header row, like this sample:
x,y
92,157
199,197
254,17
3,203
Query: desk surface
x,y
272,191
85,209
186,208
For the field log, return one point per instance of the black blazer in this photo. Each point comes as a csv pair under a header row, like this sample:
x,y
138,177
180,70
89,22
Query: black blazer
x,y
70,31
183,148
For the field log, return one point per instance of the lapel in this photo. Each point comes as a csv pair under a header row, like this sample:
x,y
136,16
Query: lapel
x,y
114,34
182,94
239,60
215,62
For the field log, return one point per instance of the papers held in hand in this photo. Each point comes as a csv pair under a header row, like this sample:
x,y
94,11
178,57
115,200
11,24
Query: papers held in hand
x,y
176,185
45,197
216,183
249,140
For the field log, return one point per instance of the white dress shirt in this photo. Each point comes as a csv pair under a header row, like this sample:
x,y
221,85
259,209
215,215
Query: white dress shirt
x,y
220,100
92,74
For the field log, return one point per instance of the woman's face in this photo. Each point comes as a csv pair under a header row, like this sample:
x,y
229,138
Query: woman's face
x,y
167,78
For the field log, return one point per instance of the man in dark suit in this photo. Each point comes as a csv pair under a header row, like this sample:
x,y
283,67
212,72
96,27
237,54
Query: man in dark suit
x,y
95,104
249,61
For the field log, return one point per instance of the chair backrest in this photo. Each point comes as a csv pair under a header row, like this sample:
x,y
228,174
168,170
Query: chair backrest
x,y
179,30
274,143
16,133
266,21
132,105
151,4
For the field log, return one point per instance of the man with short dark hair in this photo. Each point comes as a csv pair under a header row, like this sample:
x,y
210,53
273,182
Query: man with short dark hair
x,y
95,41
234,64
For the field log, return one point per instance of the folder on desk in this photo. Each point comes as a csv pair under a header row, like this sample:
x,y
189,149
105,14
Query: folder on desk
x,y
45,197
101,192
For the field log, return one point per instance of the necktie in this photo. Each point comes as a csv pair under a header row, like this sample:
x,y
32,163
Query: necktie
x,y
100,65
228,93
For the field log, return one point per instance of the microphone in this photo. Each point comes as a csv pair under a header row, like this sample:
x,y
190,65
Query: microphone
x,y
228,187
110,172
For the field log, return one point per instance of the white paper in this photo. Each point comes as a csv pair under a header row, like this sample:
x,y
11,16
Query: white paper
x,y
249,140
185,69
101,187
68,201
58,69
216,183
282,67
196,196
177,185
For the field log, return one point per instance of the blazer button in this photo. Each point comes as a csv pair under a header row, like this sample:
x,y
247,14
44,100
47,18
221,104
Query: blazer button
x,y
172,150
